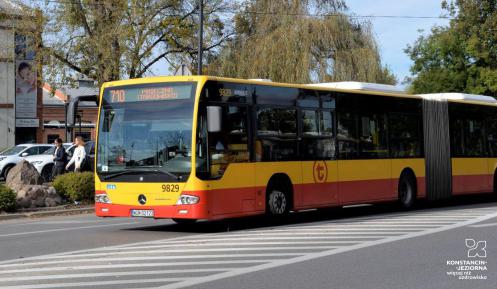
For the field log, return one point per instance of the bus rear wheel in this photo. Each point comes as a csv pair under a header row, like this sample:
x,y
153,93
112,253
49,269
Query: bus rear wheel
x,y
184,221
407,191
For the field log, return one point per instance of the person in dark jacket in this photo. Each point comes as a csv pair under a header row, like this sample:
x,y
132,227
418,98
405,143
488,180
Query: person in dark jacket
x,y
59,158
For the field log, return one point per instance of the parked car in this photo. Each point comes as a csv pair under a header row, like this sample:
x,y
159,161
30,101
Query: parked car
x,y
11,157
44,163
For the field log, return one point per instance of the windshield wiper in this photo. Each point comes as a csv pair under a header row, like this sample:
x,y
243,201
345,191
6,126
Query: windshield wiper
x,y
137,172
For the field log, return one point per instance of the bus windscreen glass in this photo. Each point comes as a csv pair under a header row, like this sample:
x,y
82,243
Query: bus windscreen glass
x,y
146,129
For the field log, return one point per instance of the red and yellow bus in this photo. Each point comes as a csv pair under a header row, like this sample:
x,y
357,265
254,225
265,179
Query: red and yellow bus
x,y
200,147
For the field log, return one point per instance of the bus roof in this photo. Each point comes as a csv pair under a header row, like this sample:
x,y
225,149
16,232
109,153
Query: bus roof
x,y
354,85
349,86
461,97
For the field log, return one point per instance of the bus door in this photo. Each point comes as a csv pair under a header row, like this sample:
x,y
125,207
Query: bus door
x,y
234,191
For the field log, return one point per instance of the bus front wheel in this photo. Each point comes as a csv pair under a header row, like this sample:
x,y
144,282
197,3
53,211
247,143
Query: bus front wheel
x,y
184,221
277,202
407,191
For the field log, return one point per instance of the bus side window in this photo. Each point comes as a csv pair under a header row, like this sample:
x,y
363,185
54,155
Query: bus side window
x,y
467,137
277,134
347,135
492,137
405,138
373,138
317,135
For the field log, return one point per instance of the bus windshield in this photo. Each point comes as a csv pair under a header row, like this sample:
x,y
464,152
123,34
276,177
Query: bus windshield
x,y
146,129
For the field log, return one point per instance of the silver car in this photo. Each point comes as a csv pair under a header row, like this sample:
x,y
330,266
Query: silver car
x,y
11,157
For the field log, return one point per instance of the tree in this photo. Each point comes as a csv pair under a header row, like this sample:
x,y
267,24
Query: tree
x,y
284,41
113,39
461,57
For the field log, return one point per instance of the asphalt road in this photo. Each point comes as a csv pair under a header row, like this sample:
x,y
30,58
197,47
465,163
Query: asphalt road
x,y
368,247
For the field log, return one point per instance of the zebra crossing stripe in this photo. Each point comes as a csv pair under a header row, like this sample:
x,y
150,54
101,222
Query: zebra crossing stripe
x,y
132,265
112,274
92,283
75,258
141,258
227,244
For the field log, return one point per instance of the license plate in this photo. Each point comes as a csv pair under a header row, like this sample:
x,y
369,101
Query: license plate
x,y
142,213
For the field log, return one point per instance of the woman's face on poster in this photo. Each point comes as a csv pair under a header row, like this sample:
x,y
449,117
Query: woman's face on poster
x,y
27,74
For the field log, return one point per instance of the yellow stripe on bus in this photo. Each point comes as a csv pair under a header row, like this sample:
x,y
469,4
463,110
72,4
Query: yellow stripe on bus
x,y
469,166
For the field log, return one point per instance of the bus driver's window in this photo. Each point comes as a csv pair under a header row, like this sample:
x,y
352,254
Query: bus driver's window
x,y
231,144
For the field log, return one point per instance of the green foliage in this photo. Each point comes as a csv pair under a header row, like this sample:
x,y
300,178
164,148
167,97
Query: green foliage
x,y
279,41
114,39
461,57
7,199
59,183
76,186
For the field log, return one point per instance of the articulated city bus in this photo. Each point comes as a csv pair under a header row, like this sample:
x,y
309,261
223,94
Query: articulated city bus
x,y
198,147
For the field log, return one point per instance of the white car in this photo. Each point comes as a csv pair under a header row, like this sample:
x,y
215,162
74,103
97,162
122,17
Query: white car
x,y
44,162
11,157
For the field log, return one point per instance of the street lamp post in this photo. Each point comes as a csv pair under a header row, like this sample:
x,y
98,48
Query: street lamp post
x,y
66,138
200,36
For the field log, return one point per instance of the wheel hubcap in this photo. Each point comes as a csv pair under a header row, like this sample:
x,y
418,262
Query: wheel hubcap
x,y
277,202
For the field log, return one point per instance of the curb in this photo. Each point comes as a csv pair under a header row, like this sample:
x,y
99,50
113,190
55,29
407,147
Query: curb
x,y
48,213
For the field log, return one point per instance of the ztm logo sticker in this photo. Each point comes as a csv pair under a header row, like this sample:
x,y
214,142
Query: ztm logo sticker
x,y
320,171
476,249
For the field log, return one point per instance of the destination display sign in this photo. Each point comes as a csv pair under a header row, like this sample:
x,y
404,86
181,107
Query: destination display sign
x,y
149,93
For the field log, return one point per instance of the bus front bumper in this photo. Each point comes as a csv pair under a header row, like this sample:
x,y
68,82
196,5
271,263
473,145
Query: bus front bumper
x,y
159,212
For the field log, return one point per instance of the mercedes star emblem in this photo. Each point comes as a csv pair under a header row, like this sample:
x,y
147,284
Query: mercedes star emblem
x,y
142,199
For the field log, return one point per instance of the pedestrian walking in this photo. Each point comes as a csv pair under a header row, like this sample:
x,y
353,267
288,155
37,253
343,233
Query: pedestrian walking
x,y
59,158
79,155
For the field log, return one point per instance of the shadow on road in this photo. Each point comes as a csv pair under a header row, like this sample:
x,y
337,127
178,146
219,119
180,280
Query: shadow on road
x,y
331,214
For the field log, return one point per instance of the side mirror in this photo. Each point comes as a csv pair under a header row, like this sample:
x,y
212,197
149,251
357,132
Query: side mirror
x,y
24,154
214,118
72,108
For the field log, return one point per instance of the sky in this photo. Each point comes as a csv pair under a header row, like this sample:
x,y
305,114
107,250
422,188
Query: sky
x,y
392,34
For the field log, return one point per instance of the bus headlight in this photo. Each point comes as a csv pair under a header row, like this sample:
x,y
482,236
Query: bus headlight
x,y
102,198
187,200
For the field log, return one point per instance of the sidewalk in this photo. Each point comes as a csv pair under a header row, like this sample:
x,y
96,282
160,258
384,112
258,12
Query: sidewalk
x,y
45,212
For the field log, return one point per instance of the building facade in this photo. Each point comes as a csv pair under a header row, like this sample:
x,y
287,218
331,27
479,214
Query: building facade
x,y
54,112
30,112
20,92
7,78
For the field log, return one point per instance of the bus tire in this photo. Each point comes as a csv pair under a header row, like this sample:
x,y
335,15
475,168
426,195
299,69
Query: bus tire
x,y
278,196
184,222
407,191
